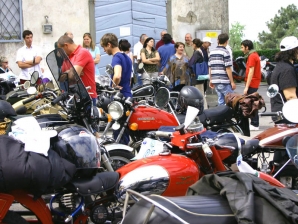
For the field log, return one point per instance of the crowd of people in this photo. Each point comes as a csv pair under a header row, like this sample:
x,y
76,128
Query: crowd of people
x,y
184,63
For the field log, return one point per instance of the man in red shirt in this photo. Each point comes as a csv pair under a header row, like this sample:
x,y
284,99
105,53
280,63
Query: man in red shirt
x,y
82,62
160,42
253,75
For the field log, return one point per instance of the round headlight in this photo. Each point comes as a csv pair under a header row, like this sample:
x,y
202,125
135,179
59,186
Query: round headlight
x,y
116,110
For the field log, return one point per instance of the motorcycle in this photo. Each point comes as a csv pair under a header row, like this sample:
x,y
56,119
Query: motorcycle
x,y
239,69
139,119
271,143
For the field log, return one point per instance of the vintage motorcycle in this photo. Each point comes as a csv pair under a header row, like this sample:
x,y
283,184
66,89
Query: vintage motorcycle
x,y
271,143
138,119
239,68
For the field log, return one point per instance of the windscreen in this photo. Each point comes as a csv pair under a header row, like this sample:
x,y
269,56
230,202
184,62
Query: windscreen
x,y
66,76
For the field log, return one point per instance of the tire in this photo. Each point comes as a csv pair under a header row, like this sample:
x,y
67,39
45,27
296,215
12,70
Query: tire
x,y
120,158
13,218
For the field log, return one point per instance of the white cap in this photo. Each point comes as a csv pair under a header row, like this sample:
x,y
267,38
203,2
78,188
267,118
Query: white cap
x,y
207,39
288,43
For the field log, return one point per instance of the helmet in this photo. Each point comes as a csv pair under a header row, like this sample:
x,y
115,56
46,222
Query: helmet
x,y
104,99
191,96
77,145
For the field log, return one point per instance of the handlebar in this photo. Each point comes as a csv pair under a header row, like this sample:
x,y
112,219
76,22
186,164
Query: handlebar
x,y
264,114
30,99
63,96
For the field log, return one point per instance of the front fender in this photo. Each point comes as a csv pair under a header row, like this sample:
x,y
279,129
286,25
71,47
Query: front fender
x,y
117,146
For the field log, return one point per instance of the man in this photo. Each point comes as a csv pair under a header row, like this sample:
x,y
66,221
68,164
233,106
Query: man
x,y
82,62
122,72
220,69
67,33
161,42
137,57
166,51
188,45
28,58
252,75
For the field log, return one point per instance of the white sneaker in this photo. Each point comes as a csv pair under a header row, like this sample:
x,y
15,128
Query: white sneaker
x,y
253,128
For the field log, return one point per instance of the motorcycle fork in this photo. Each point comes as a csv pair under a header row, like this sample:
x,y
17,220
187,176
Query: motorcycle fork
x,y
5,203
124,127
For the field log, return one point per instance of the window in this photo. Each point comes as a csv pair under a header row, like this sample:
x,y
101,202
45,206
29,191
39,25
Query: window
x,y
10,20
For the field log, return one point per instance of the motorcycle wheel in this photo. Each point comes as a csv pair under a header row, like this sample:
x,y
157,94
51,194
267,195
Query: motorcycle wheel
x,y
13,218
120,158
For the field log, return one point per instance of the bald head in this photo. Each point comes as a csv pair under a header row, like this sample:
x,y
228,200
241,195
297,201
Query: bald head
x,y
163,33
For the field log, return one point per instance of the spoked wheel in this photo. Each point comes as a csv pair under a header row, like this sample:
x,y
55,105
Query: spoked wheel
x,y
120,158
13,218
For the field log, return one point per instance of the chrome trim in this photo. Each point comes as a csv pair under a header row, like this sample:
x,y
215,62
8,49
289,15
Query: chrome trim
x,y
115,146
152,179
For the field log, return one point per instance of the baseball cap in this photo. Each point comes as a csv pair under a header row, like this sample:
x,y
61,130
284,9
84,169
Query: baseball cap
x,y
288,43
207,39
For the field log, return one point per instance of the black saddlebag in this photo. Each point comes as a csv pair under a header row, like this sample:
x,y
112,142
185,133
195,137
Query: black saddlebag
x,y
217,115
33,172
192,209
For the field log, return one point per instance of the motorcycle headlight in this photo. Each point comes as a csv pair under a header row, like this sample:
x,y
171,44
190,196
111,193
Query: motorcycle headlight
x,y
116,110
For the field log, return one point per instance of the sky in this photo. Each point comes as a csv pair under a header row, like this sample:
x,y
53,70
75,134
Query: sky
x,y
255,13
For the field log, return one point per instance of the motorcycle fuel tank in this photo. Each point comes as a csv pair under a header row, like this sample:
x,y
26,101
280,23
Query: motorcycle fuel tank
x,y
143,91
167,175
272,137
151,118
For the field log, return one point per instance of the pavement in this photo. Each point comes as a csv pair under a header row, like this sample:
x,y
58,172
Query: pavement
x,y
265,122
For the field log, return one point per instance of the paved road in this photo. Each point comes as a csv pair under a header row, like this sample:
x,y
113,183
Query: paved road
x,y
265,122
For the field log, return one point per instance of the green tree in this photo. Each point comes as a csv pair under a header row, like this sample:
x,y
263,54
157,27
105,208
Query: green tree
x,y
236,35
284,23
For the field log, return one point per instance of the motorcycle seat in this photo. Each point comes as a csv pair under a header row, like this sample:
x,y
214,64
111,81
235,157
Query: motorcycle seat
x,y
101,182
216,115
192,209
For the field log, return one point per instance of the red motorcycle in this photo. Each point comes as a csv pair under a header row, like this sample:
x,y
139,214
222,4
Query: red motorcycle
x,y
136,119
269,146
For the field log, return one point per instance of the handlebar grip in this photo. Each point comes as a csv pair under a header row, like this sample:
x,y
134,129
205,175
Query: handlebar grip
x,y
165,134
269,114
29,100
59,98
207,150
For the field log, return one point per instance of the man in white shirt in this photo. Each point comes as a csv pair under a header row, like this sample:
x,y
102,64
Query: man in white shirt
x,y
28,58
137,56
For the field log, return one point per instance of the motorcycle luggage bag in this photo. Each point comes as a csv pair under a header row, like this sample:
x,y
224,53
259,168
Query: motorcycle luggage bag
x,y
192,209
217,115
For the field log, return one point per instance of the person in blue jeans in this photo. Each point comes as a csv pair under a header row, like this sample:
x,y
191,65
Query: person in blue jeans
x,y
122,67
220,69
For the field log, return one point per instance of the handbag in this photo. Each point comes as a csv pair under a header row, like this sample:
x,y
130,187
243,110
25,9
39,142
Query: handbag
x,y
201,70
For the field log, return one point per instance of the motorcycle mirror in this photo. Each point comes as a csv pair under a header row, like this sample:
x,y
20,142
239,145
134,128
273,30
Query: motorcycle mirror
x,y
289,110
31,90
141,65
272,90
34,77
292,149
109,69
26,85
162,97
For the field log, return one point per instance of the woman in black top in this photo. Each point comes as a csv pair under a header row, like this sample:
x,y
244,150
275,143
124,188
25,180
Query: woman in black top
x,y
284,74
198,57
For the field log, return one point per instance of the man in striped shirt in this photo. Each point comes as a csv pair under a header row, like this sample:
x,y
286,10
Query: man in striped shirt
x,y
220,69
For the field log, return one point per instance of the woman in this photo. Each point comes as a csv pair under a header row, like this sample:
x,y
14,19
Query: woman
x,y
4,65
177,68
150,58
196,60
284,74
124,46
94,51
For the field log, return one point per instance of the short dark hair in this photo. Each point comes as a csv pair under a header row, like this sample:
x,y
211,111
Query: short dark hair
x,y
197,42
248,43
124,45
109,38
27,33
222,38
167,38
177,44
